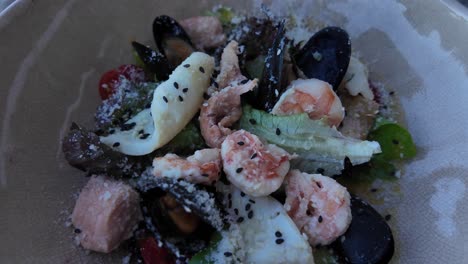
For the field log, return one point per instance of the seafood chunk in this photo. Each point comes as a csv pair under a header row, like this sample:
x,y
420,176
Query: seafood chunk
x,y
174,104
318,205
360,115
106,212
221,111
256,168
206,32
356,79
204,166
314,97
230,72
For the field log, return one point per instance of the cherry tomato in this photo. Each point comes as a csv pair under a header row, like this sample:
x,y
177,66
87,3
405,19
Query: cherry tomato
x,y
154,254
110,80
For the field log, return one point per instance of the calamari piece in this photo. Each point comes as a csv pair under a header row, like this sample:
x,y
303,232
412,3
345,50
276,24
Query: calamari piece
x,y
106,212
174,104
311,96
256,168
204,166
230,73
221,111
318,205
206,32
356,79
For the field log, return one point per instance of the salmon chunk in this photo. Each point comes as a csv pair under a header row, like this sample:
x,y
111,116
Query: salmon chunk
x,y
106,213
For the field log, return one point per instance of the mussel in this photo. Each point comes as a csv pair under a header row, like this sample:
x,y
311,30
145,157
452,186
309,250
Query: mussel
x,y
84,150
368,239
326,56
154,61
171,39
180,214
270,87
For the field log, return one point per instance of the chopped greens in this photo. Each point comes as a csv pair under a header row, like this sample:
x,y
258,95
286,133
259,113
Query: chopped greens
x,y
224,14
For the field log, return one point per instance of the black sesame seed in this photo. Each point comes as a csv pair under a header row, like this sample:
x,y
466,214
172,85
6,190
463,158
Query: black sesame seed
x,y
165,99
279,241
204,175
373,190
318,184
227,254
239,170
391,93
247,207
77,230
320,219
142,131
112,131
145,136
244,81
181,99
176,85
215,84
240,143
240,219
278,234
252,201
250,214
206,96
148,105
185,90
388,217
126,127
252,121
253,156
116,144
236,211
201,69
187,65
278,131
242,194
320,170
394,141
308,212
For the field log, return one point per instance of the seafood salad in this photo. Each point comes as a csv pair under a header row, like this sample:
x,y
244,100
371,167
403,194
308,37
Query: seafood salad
x,y
228,141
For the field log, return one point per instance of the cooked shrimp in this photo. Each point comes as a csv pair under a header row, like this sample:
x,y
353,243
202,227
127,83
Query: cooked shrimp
x,y
311,96
257,169
220,112
204,166
318,205
230,73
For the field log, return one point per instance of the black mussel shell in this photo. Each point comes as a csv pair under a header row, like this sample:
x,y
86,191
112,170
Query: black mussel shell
x,y
270,88
195,197
171,39
368,239
84,150
326,56
154,61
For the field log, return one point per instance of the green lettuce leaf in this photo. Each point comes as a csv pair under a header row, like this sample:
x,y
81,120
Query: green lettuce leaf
x,y
186,142
319,147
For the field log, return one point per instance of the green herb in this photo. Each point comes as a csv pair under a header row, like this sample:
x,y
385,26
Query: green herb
x,y
224,14
395,141
186,142
203,257
255,67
